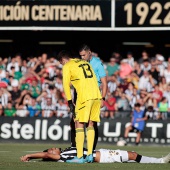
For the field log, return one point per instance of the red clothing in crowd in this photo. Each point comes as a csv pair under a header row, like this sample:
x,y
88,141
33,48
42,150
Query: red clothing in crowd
x,y
157,94
110,103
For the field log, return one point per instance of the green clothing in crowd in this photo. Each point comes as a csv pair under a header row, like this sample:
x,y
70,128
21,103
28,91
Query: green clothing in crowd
x,y
18,75
25,86
10,112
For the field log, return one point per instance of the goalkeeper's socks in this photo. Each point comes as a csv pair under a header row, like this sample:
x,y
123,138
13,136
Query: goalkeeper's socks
x,y
90,139
79,141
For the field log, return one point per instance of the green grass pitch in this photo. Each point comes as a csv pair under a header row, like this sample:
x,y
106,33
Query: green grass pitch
x,y
10,154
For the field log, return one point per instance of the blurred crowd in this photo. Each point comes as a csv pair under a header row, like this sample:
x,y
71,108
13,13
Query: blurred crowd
x,y
32,87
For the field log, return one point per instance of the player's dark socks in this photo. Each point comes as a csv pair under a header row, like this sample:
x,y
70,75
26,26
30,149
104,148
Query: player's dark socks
x,y
96,136
73,133
138,158
73,138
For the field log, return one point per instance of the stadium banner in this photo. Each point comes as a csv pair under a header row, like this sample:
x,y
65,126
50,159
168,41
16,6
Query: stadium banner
x,y
54,130
55,14
100,15
145,14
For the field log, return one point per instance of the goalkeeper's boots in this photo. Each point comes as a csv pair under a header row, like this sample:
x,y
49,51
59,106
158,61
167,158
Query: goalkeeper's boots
x,y
89,158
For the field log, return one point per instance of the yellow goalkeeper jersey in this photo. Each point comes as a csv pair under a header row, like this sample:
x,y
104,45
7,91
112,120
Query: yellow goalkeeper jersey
x,y
80,74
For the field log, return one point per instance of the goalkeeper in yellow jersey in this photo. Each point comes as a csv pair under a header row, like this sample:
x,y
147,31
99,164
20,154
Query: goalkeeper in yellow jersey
x,y
79,73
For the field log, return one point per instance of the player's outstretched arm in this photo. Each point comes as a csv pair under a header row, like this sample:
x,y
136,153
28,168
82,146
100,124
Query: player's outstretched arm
x,y
39,155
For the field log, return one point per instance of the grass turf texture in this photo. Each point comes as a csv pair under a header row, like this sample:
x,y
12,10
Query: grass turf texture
x,y
10,158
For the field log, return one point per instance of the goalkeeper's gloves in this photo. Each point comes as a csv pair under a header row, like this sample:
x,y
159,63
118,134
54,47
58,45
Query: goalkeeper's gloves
x,y
72,108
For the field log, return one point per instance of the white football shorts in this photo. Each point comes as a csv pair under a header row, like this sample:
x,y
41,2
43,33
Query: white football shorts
x,y
111,156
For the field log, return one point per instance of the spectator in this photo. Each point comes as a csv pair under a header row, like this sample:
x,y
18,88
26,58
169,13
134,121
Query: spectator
x,y
31,62
18,59
123,85
50,68
147,99
15,92
143,103
145,55
13,64
168,61
5,62
109,103
25,99
24,67
4,95
166,94
152,113
133,78
22,110
116,94
137,70
6,78
59,84
25,85
146,82
34,108
42,98
58,72
35,89
154,72
52,92
48,109
37,64
125,69
2,72
162,84
113,83
130,58
146,66
18,75
160,63
44,57
166,74
112,67
59,95
129,90
133,98
163,108
12,71
45,82
117,56
9,110
157,95
122,104
62,109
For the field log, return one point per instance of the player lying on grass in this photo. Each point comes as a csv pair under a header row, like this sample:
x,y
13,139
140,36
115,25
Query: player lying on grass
x,y
100,156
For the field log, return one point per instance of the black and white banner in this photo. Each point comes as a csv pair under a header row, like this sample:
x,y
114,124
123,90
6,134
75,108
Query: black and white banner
x,y
107,15
55,13
54,130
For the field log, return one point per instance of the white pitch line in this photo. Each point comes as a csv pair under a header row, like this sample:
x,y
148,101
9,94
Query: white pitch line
x,y
31,151
5,151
